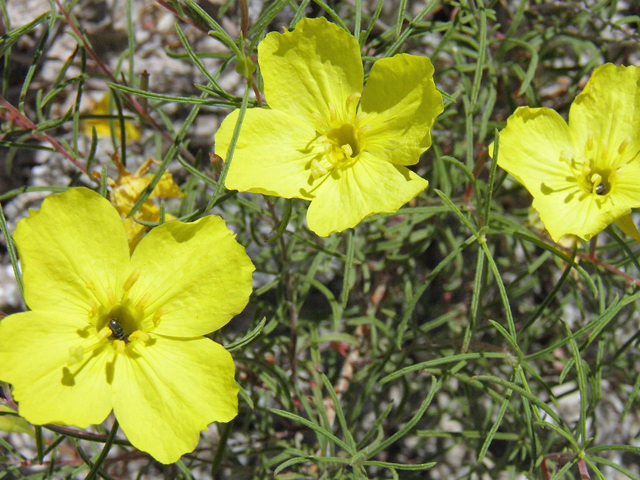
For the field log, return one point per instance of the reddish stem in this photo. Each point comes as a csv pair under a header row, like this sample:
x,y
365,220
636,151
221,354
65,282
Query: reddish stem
x,y
130,99
185,19
629,278
16,117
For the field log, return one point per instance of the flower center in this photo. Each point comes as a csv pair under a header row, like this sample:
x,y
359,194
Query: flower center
x,y
341,137
597,170
121,326
597,182
342,145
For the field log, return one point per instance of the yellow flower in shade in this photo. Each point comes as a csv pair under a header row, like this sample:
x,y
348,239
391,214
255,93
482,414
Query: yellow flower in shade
x,y
103,125
583,175
326,140
125,191
107,330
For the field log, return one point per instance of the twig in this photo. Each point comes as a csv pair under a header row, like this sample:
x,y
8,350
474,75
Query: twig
x,y
629,278
16,117
130,99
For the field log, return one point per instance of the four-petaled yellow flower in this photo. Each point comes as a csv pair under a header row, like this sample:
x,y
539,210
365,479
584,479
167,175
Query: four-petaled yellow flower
x,y
326,140
583,175
109,330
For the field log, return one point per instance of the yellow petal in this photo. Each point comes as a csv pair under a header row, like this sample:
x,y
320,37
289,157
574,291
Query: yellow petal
x,y
307,70
628,227
35,349
626,187
577,213
194,277
608,111
74,253
401,103
166,187
166,392
369,186
103,125
531,147
273,153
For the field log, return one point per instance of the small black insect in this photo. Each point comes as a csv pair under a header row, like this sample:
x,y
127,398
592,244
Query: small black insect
x,y
117,330
600,189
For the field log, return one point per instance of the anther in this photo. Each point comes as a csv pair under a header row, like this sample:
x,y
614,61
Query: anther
x,y
317,170
75,355
140,306
119,346
623,145
131,280
111,297
156,318
321,123
589,144
333,113
104,332
566,157
352,101
598,187
604,148
144,336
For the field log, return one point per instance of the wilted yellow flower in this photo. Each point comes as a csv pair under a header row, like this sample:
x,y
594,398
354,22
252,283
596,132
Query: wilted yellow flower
x,y
326,140
125,191
583,175
107,330
103,125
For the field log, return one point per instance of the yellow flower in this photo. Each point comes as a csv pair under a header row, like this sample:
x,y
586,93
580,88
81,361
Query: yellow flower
x,y
583,175
125,191
103,125
107,330
326,140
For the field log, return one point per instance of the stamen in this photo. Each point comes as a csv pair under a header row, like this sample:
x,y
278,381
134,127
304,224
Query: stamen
x,y
139,334
333,113
93,311
360,117
623,146
111,297
598,186
352,103
133,278
104,332
321,124
317,170
348,151
140,306
76,354
566,157
119,345
604,148
589,145
156,318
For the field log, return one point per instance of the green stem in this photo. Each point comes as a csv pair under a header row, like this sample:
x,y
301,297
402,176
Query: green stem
x,y
105,451
222,445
